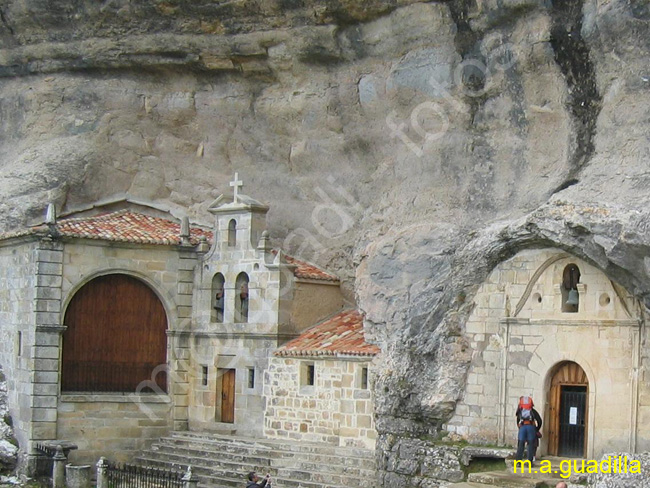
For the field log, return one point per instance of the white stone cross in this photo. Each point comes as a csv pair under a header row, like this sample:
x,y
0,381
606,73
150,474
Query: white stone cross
x,y
236,184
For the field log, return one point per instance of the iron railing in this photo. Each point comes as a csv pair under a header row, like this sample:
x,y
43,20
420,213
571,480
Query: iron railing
x,y
130,476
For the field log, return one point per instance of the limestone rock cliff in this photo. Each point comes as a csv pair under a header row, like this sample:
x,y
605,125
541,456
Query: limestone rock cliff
x,y
409,145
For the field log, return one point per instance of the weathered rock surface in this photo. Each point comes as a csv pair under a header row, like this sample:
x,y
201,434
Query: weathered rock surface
x,y
8,444
614,476
421,142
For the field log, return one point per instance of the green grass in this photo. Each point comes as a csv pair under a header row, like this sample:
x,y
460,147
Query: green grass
x,y
482,464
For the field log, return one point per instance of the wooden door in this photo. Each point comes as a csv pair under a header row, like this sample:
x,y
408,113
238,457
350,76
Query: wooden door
x,y
115,336
228,396
568,408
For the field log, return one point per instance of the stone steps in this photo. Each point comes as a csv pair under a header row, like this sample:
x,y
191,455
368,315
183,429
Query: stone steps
x,y
264,451
506,479
346,466
223,461
467,484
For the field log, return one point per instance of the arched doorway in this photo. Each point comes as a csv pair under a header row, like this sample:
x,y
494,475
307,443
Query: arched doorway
x,y
567,425
115,336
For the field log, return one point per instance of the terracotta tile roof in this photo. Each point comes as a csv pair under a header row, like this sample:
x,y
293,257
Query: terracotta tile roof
x,y
309,271
124,226
129,226
341,335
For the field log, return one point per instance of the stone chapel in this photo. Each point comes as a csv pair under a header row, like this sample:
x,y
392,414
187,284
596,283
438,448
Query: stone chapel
x,y
120,324
553,326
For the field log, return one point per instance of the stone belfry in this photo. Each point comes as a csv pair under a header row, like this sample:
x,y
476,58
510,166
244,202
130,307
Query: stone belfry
x,y
239,223
240,273
242,305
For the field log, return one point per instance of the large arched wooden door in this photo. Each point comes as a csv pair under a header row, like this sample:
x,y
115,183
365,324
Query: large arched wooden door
x,y
568,401
115,337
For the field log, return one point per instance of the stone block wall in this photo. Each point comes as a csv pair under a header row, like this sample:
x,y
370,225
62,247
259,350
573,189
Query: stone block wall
x,y
17,330
116,426
217,353
168,271
519,334
335,410
263,287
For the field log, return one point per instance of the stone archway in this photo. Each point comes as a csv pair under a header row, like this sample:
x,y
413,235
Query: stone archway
x,y
567,426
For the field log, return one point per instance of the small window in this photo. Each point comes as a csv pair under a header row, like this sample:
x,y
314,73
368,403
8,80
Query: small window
x,y
204,375
308,374
251,377
232,233
364,378
19,344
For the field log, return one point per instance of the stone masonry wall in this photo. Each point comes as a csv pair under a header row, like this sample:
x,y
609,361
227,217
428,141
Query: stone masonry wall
x,y
217,354
116,426
17,319
335,410
111,424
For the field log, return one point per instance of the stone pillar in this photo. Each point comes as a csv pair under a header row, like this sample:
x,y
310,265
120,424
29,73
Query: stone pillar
x,y
77,476
179,360
58,468
47,340
582,293
102,473
190,480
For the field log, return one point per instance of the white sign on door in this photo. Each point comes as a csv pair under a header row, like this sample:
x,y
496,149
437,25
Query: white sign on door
x,y
573,416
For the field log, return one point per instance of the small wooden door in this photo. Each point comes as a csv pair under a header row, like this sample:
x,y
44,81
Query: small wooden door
x,y
228,396
567,422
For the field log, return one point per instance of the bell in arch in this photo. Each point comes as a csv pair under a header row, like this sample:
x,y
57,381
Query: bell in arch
x,y
572,298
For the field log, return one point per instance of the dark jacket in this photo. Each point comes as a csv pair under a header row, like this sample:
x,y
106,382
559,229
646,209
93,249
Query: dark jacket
x,y
536,418
252,484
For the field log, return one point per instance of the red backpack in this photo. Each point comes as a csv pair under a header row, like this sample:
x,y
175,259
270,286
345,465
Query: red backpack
x,y
526,408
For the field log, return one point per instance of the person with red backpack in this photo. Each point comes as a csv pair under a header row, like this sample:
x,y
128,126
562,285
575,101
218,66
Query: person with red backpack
x,y
529,422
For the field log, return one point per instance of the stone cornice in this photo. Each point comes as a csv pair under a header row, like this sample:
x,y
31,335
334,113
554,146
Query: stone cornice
x,y
572,322
231,335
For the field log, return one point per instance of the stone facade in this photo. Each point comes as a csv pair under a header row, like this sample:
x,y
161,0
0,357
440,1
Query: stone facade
x,y
336,409
519,334
18,289
43,269
280,306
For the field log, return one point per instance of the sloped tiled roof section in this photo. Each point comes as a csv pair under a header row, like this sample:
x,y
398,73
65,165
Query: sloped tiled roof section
x,y
127,226
309,271
341,335
139,228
